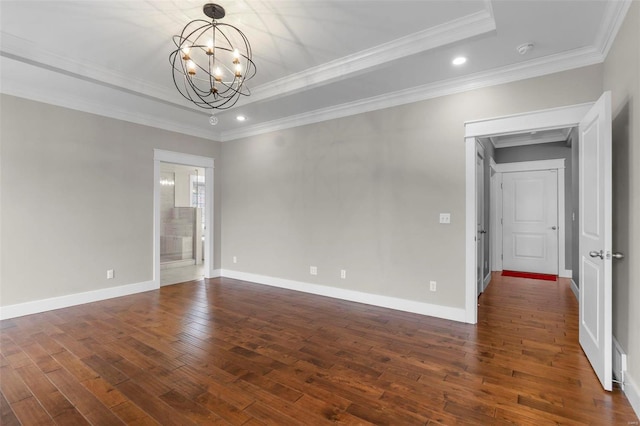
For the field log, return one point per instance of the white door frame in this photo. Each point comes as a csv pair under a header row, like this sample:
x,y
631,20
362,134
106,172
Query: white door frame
x,y
530,166
554,118
480,222
207,163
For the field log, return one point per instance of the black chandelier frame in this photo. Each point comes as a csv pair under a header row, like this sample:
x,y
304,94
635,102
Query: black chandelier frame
x,y
200,49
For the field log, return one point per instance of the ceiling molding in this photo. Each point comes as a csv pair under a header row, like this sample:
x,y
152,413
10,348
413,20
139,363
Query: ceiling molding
x,y
453,31
124,112
524,70
22,50
613,17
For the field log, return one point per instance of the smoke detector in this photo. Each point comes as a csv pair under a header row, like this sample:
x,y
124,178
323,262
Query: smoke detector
x,y
525,48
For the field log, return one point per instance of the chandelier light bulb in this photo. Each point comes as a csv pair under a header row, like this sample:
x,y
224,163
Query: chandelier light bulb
x,y
185,53
238,70
191,67
210,47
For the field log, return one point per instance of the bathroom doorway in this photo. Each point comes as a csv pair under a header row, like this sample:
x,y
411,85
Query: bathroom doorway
x,y
183,217
182,226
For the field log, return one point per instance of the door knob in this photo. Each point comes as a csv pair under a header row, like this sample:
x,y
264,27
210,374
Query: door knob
x,y
617,256
599,254
554,227
482,231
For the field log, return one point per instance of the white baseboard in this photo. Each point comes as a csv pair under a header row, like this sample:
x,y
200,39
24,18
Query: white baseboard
x,y
43,305
445,312
486,281
575,289
567,273
619,361
632,391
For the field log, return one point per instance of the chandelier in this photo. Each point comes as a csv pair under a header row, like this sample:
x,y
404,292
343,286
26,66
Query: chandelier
x,y
212,62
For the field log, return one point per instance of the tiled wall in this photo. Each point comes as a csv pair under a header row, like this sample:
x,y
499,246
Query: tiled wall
x,y
176,232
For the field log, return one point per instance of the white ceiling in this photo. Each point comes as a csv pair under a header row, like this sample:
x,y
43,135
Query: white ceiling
x,y
316,60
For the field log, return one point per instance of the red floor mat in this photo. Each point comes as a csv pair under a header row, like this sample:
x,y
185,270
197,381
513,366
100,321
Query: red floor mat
x,y
530,275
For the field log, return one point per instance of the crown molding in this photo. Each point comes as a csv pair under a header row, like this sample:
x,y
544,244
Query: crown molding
x,y
524,70
123,112
468,26
613,17
26,51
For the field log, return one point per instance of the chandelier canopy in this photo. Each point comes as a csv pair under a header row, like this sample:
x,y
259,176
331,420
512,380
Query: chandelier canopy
x,y
212,61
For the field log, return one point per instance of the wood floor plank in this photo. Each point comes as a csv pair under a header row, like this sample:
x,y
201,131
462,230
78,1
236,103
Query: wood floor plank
x,y
30,412
223,351
7,416
84,401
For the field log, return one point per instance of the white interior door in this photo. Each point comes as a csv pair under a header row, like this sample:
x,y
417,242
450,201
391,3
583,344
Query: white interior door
x,y
530,221
481,231
595,238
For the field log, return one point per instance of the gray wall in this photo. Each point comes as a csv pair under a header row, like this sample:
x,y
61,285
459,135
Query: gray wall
x,y
548,151
77,199
363,193
622,77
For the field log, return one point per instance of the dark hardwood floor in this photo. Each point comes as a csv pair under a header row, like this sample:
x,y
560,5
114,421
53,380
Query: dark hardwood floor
x,y
230,352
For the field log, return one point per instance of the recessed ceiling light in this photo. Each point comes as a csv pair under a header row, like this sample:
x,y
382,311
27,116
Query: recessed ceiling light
x,y
459,60
241,118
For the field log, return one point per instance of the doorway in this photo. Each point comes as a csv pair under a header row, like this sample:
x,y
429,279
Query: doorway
x,y
183,218
532,232
557,118
594,184
182,212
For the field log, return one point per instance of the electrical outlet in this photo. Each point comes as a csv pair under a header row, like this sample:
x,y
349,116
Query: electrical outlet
x,y
445,218
343,274
110,274
313,270
235,259
432,286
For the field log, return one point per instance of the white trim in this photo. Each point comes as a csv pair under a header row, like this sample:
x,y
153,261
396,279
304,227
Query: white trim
x,y
546,119
445,312
486,281
368,60
413,94
182,158
614,14
216,273
531,166
568,116
565,273
43,305
632,391
619,362
471,298
208,163
575,290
